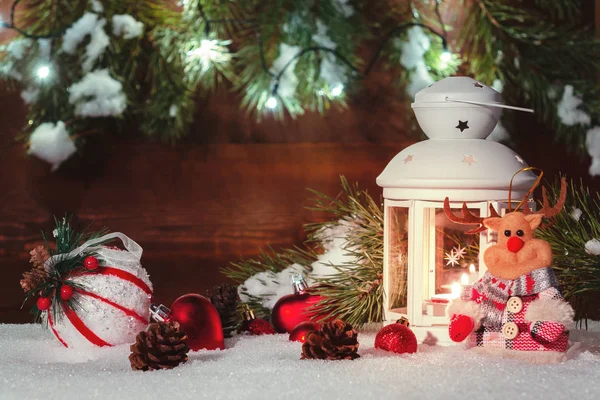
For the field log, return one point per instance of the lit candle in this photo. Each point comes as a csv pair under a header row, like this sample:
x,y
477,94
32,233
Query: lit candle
x,y
472,268
456,288
464,279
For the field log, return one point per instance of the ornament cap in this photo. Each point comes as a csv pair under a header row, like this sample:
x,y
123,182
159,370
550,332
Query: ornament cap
x,y
160,313
299,284
248,313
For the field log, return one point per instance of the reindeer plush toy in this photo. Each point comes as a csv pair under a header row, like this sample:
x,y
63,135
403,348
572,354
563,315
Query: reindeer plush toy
x,y
516,308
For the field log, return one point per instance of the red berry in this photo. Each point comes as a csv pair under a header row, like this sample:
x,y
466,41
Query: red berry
x,y
66,292
43,303
90,262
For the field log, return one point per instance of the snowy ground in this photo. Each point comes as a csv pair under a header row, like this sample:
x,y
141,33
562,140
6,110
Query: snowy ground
x,y
34,366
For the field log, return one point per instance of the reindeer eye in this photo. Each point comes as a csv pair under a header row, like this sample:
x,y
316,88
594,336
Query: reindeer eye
x,y
520,233
507,232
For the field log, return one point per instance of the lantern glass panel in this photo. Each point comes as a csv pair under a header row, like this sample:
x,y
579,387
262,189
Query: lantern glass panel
x,y
455,252
398,258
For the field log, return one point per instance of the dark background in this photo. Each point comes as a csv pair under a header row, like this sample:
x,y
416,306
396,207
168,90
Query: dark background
x,y
233,187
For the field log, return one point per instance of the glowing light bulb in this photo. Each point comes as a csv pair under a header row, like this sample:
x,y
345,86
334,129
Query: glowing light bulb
x,y
445,57
43,72
337,90
455,290
464,279
271,102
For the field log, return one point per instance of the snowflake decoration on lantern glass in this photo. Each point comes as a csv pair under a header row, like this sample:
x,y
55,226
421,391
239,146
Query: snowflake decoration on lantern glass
x,y
452,258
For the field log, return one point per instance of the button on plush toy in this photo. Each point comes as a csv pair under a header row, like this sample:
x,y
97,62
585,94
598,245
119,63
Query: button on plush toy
x,y
516,308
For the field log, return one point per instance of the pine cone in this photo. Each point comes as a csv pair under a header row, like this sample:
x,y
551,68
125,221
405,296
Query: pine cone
x,y
39,255
161,346
336,340
33,279
225,299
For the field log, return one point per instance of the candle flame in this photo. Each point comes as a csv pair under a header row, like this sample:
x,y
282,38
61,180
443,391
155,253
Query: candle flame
x,y
464,279
455,290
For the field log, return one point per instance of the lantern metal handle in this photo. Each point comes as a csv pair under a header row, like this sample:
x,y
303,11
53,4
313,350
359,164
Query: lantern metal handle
x,y
481,103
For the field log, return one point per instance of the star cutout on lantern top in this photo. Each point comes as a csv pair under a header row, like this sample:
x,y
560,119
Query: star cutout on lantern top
x,y
469,159
462,125
519,159
478,85
408,158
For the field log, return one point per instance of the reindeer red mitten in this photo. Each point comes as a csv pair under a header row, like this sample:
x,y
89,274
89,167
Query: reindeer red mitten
x,y
516,307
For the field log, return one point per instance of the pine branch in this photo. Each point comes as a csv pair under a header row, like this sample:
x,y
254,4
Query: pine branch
x,y
578,270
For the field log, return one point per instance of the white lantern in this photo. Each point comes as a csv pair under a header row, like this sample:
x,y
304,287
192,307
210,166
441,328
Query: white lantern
x,y
427,257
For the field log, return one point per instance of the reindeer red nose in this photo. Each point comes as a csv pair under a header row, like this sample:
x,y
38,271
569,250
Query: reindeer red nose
x,y
515,244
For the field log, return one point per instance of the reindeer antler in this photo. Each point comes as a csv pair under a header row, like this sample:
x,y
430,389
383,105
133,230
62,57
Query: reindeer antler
x,y
467,217
546,210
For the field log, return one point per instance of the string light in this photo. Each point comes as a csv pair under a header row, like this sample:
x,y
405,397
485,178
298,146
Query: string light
x,y
43,72
271,102
445,58
337,90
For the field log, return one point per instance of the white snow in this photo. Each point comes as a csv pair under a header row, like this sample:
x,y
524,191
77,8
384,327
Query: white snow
x,y
593,247
45,46
78,31
271,286
575,213
288,81
344,7
35,366
97,7
412,59
89,24
18,47
127,26
98,95
498,85
98,43
30,95
321,37
592,142
568,111
51,143
331,72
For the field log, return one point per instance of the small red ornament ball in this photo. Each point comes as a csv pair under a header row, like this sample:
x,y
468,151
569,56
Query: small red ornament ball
x,y
298,334
259,326
90,263
397,338
199,319
43,303
66,292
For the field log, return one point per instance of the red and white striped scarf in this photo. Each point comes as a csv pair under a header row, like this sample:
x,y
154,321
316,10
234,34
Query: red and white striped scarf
x,y
492,293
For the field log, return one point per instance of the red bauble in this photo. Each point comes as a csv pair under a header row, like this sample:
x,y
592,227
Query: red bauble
x,y
66,292
298,334
258,326
199,319
397,338
90,263
44,303
291,310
